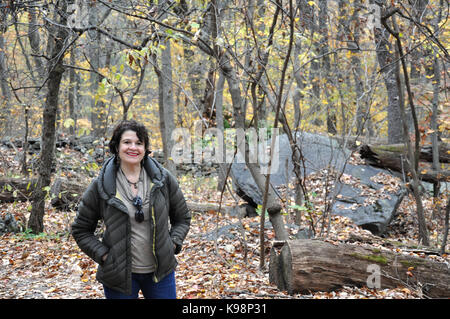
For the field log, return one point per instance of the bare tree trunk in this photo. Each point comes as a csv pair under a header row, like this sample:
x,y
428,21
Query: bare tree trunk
x,y
3,70
413,155
446,226
435,109
300,82
208,110
418,11
72,95
166,103
4,93
274,211
388,66
325,71
196,64
95,63
24,169
314,70
223,166
55,70
35,44
362,115
297,97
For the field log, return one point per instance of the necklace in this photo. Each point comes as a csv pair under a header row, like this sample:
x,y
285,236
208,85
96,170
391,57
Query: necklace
x,y
135,184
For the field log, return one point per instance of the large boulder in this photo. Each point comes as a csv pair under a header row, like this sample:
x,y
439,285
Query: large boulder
x,y
368,203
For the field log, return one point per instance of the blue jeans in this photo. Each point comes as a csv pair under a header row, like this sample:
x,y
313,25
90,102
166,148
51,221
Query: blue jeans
x,y
164,289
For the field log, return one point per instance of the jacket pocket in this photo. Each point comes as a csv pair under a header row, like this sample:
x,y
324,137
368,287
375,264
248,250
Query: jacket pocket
x,y
109,266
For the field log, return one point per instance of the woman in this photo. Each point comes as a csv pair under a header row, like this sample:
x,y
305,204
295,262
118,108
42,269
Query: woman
x,y
137,199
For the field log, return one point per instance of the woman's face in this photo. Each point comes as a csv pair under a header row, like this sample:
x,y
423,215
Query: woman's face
x,y
131,149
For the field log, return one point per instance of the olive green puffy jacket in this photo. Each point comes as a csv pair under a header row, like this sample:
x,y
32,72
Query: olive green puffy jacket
x,y
100,203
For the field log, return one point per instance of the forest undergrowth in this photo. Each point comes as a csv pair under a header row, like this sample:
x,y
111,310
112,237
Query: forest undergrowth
x,y
220,256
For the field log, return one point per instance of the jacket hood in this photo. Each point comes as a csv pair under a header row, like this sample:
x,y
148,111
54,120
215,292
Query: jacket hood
x,y
108,173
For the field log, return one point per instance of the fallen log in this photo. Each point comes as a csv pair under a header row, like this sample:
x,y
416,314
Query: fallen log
x,y
208,207
63,193
393,157
66,194
16,189
399,149
311,265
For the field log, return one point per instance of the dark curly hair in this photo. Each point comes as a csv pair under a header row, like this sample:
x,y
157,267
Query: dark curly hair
x,y
126,125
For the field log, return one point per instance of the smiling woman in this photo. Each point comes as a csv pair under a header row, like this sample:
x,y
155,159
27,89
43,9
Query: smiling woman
x,y
131,152
140,132
129,144
131,147
137,198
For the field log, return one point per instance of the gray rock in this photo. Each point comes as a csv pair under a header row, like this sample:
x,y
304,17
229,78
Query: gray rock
x,y
375,216
320,153
8,224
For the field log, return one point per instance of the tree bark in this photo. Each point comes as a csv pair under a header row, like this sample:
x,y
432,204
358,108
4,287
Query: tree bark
x,y
98,112
418,10
362,112
223,166
436,81
55,71
326,75
3,70
446,226
309,265
35,44
166,105
388,65
5,94
72,93
314,70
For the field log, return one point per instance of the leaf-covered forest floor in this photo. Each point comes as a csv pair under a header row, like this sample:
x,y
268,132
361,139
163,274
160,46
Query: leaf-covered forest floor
x,y
220,257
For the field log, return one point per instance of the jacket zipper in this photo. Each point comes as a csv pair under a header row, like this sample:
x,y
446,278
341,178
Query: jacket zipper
x,y
155,279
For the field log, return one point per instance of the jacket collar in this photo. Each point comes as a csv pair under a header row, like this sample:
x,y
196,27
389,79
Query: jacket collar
x,y
108,174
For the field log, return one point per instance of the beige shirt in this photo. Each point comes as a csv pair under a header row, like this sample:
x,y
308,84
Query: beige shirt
x,y
142,260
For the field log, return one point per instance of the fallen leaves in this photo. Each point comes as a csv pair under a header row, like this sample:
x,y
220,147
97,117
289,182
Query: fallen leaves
x,y
214,267
52,266
220,256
